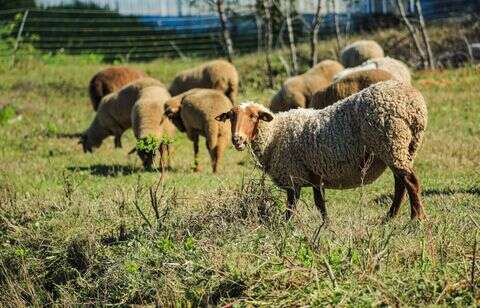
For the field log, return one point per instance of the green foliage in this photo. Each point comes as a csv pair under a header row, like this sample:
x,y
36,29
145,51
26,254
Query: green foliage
x,y
6,114
148,144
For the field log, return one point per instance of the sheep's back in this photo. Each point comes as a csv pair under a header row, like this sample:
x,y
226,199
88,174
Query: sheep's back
x,y
349,143
359,52
347,86
148,112
110,80
201,106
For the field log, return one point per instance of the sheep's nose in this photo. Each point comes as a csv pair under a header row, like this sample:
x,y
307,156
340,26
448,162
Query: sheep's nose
x,y
237,138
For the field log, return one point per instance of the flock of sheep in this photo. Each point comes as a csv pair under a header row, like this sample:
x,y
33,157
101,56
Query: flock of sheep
x,y
339,125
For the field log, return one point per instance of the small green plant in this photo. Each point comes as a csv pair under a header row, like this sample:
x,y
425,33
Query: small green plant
x,y
51,129
150,144
6,114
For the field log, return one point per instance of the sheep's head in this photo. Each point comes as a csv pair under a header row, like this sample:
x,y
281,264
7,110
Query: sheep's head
x,y
245,119
172,112
87,146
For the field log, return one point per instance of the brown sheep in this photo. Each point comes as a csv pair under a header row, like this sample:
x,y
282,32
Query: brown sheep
x,y
148,120
194,112
110,80
351,84
114,114
219,75
359,52
296,92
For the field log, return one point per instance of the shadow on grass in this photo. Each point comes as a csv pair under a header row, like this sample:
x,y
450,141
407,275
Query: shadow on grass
x,y
68,135
107,170
386,199
448,191
115,170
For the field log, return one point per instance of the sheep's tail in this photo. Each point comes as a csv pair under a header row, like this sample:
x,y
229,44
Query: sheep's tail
x,y
212,134
228,87
96,92
232,91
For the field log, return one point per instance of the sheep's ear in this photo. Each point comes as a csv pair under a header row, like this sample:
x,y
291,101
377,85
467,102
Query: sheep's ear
x,y
265,116
134,150
223,117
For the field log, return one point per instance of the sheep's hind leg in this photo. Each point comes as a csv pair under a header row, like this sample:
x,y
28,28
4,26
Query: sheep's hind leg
x,y
398,196
194,137
412,185
293,194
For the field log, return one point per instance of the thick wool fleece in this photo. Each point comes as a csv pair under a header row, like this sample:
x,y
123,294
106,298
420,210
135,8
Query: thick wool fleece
x,y
114,113
347,86
396,68
219,75
297,92
359,52
198,112
148,114
347,144
110,80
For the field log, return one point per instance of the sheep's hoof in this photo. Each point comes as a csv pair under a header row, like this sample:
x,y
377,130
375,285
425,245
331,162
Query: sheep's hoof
x,y
198,168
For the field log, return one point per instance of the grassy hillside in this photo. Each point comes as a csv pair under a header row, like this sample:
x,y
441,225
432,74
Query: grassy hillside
x,y
80,228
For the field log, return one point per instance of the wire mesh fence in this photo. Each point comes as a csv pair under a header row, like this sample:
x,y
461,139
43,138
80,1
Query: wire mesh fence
x,y
145,30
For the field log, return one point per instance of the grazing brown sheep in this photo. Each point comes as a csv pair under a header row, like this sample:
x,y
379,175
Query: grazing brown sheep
x,y
148,120
349,85
110,80
114,114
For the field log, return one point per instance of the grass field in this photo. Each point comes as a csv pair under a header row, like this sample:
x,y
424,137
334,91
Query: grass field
x,y
80,228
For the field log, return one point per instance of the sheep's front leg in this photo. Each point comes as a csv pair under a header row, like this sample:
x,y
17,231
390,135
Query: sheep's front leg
x,y
118,141
293,194
319,197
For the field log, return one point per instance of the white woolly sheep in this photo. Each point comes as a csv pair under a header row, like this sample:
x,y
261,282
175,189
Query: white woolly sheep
x,y
347,86
359,52
148,120
396,68
114,114
345,145
110,80
194,112
218,75
297,92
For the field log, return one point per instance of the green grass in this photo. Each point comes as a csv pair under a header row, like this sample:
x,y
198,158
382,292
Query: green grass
x,y
80,228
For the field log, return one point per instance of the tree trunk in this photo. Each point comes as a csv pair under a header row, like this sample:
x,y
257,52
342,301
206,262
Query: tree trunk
x,y
226,34
267,6
291,37
314,35
337,28
426,40
412,31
